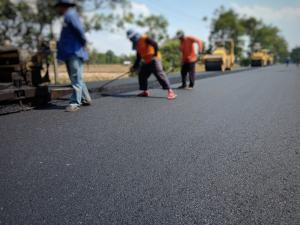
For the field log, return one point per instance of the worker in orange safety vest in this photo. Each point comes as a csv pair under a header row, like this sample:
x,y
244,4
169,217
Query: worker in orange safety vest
x,y
148,61
189,58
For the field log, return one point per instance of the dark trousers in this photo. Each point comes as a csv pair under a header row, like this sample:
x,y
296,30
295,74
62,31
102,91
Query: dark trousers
x,y
188,69
155,67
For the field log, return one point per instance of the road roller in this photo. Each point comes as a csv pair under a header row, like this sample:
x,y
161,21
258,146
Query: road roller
x,y
261,57
222,57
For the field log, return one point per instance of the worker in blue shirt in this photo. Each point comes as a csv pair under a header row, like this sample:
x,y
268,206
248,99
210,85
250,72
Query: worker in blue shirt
x,y
71,50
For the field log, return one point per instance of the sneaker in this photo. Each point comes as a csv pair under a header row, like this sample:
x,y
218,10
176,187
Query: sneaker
x,y
171,95
86,103
144,94
190,88
72,108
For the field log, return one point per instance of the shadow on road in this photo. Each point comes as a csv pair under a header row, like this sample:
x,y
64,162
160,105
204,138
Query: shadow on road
x,y
131,96
51,106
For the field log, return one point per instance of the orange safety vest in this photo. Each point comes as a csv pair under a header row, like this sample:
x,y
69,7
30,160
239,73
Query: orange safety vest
x,y
188,53
146,51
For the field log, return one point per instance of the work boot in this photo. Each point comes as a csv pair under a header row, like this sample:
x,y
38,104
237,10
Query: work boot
x,y
171,95
144,94
72,108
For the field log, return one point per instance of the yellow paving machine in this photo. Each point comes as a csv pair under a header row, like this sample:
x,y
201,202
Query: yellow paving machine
x,y
270,57
261,57
222,57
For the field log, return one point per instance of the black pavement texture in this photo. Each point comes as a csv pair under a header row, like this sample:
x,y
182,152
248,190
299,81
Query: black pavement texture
x,y
225,153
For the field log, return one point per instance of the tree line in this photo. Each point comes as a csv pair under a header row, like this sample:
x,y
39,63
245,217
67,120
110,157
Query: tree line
x,y
295,55
108,57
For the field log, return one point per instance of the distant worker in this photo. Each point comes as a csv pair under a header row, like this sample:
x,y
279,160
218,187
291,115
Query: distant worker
x,y
148,53
71,50
287,62
189,58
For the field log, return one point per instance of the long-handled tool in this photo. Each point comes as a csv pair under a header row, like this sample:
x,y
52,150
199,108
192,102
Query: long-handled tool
x,y
100,89
111,81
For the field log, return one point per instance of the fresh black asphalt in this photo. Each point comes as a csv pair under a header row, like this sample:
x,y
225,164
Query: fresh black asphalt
x,y
225,153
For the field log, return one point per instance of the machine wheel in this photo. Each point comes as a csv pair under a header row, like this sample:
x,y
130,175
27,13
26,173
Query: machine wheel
x,y
214,66
256,63
207,68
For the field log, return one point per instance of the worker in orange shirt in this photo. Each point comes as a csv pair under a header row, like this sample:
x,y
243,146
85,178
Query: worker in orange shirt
x,y
148,61
189,58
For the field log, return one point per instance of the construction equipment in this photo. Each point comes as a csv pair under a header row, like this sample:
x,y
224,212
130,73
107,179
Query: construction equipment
x,y
261,57
102,88
24,76
222,57
21,76
270,57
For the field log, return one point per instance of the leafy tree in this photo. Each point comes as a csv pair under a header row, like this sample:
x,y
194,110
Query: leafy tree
x,y
114,14
108,58
11,22
269,38
171,55
157,26
251,25
25,23
225,25
295,55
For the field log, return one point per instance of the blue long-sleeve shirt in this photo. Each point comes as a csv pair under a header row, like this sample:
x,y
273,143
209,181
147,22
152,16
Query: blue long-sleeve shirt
x,y
72,39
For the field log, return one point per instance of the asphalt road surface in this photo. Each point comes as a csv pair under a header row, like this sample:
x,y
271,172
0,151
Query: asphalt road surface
x,y
224,153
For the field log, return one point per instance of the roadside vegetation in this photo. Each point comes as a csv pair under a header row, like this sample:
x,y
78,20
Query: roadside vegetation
x,y
295,55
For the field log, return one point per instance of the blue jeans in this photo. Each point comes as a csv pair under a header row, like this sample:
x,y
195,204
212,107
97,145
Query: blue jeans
x,y
80,92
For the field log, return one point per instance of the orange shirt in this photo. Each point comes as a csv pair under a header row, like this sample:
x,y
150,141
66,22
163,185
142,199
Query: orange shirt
x,y
145,50
188,53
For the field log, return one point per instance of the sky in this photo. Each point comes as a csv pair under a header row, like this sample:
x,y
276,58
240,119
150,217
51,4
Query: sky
x,y
187,15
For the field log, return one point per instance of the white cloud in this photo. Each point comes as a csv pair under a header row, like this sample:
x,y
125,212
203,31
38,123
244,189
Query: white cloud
x,y
104,41
269,13
140,9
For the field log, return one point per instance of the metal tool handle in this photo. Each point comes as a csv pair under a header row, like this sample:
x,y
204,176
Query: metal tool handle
x,y
111,81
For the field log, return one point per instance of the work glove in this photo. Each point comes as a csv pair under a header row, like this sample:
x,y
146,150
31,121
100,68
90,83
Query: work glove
x,y
133,69
153,58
